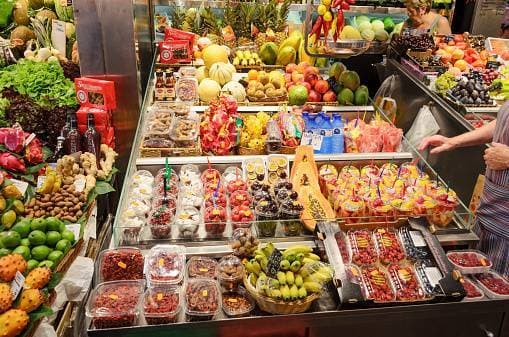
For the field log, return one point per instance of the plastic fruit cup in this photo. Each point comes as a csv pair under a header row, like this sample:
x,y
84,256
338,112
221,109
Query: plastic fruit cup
x,y
370,171
266,223
403,208
425,206
380,211
241,217
236,185
290,220
353,210
210,175
443,214
215,221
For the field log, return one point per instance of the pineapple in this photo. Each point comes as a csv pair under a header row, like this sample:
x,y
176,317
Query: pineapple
x,y
272,22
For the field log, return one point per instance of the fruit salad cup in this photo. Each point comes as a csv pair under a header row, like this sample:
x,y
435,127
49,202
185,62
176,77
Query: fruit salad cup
x,y
353,210
403,208
267,214
444,212
210,175
160,221
241,216
380,210
370,172
188,221
377,285
218,198
425,206
290,212
215,220
348,172
240,198
236,185
159,180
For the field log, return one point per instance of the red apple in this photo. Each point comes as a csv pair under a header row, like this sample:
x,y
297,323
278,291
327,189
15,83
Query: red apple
x,y
329,96
291,68
307,85
321,86
311,78
296,76
314,96
288,77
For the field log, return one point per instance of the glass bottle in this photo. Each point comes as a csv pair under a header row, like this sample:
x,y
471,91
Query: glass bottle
x,y
91,137
72,141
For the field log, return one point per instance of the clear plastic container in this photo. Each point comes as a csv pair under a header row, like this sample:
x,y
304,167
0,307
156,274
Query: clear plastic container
x,y
125,263
237,303
362,246
240,198
201,267
241,217
230,272
244,242
469,261
142,177
138,207
162,304
160,221
406,283
185,131
158,122
493,285
277,168
187,89
187,71
115,304
142,193
377,285
232,173
215,220
343,245
188,221
189,196
354,275
217,199
190,176
210,175
254,169
202,299
388,246
159,179
165,264
266,218
289,213
172,189
238,184
159,201
474,293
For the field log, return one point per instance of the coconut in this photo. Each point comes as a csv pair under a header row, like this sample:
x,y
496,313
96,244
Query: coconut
x,y
46,14
22,33
36,4
20,13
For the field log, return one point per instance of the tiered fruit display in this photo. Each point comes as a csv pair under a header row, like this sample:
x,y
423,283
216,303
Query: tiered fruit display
x,y
454,51
254,131
299,274
246,58
471,90
369,29
14,314
218,129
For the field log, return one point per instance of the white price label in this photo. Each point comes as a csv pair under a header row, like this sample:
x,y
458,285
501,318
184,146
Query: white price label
x,y
58,35
20,185
17,284
316,142
29,139
40,181
306,138
79,185
434,275
417,239
75,228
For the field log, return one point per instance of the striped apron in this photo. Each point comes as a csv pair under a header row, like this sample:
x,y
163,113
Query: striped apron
x,y
492,221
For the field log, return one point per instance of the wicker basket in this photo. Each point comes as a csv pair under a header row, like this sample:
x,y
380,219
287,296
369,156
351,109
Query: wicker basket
x,y
150,152
279,307
288,149
246,151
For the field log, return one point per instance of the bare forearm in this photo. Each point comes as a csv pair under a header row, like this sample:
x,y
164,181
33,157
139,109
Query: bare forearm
x,y
479,136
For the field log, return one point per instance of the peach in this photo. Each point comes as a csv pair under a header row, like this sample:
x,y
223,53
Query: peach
x,y
458,54
462,65
297,76
290,68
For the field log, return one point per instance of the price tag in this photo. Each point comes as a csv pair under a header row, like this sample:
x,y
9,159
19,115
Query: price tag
x,y
273,263
316,141
159,296
306,138
79,185
114,297
417,239
75,228
434,275
17,284
122,265
58,34
205,293
29,139
40,181
20,185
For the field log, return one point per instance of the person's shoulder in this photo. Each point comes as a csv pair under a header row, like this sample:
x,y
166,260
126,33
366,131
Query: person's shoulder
x,y
442,19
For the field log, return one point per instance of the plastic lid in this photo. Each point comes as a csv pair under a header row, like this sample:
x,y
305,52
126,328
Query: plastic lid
x,y
202,297
199,266
124,263
237,302
230,268
165,264
188,216
162,301
184,129
115,298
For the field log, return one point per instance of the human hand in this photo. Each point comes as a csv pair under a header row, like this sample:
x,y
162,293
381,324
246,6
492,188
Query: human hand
x,y
440,144
497,157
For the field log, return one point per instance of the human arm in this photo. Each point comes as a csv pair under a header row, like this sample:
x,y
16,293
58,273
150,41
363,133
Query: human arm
x,y
497,156
479,136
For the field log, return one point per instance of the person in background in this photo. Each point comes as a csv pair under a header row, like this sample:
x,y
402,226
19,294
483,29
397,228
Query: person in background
x,y
504,30
421,18
492,216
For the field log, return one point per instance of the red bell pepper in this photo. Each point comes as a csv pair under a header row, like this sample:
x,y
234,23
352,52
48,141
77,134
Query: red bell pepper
x,y
345,6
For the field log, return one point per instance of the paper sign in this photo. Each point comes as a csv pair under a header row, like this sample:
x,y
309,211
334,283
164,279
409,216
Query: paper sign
x,y
20,185
79,185
40,181
274,263
306,138
316,142
58,35
75,228
29,139
417,239
434,275
17,284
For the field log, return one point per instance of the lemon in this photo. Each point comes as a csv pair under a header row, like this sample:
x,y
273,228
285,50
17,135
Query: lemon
x,y
327,17
322,9
326,3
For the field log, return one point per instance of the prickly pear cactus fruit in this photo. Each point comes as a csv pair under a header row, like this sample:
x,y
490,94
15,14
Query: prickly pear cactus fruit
x,y
37,278
5,297
31,299
9,265
13,322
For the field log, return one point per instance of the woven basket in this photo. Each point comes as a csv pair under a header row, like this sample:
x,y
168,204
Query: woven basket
x,y
246,151
150,152
288,149
279,307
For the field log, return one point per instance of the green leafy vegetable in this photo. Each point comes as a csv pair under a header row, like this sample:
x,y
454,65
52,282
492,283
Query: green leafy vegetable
x,y
43,82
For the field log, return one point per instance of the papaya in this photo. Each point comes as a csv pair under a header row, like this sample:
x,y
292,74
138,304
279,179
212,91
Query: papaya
x,y
304,153
293,40
286,56
303,56
268,53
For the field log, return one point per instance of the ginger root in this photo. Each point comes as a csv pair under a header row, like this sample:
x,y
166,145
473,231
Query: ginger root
x,y
65,166
89,163
108,161
89,183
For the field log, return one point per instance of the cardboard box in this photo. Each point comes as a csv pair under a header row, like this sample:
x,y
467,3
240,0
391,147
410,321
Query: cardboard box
x,y
95,93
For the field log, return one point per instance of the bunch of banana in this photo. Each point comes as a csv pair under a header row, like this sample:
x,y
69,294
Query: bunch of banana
x,y
300,273
246,58
52,183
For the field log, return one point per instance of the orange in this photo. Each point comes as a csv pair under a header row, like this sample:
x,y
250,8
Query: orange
x,y
252,74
